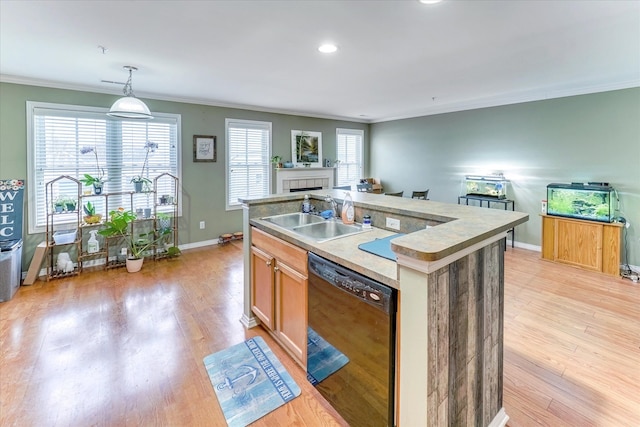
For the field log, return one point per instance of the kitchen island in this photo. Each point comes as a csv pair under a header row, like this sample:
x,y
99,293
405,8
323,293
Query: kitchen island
x,y
450,278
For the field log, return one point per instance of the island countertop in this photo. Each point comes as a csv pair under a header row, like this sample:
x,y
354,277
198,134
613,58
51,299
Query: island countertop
x,y
458,227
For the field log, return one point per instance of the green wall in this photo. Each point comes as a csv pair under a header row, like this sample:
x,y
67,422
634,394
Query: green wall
x,y
581,138
574,139
203,184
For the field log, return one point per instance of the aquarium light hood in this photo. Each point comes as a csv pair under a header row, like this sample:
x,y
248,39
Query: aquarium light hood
x,y
494,177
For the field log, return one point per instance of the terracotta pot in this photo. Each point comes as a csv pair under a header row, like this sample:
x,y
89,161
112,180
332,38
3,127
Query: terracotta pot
x,y
134,265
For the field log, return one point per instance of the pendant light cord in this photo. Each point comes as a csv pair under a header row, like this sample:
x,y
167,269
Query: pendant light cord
x,y
128,90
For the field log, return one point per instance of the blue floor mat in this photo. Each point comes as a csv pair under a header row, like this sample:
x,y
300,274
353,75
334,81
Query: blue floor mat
x,y
249,381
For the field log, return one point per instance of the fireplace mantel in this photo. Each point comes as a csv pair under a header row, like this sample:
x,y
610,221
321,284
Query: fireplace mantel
x,y
295,178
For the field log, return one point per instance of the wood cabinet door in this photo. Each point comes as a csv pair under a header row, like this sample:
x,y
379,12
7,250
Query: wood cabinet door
x,y
262,287
548,237
611,234
291,308
579,243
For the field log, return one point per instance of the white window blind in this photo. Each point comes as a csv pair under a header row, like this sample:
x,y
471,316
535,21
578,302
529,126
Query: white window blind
x,y
58,133
349,152
248,166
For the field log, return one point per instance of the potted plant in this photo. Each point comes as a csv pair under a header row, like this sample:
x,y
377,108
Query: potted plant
x,y
70,204
277,161
91,217
89,180
58,204
164,220
140,182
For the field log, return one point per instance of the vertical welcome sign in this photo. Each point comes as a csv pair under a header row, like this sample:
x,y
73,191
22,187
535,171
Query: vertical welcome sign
x,y
11,197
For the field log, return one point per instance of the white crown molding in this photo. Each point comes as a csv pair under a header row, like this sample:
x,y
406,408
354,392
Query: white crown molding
x,y
513,98
4,78
471,104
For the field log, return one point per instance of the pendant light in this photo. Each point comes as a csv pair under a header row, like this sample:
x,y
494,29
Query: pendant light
x,y
130,107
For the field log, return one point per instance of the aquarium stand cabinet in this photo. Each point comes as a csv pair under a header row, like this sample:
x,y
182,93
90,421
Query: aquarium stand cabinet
x,y
587,244
507,203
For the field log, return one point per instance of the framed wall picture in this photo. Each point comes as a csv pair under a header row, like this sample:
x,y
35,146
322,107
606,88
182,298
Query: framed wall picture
x,y
204,148
306,148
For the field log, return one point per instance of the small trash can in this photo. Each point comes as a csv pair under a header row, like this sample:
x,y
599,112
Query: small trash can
x,y
10,268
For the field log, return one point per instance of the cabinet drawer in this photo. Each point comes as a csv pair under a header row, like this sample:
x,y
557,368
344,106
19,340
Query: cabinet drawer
x,y
293,255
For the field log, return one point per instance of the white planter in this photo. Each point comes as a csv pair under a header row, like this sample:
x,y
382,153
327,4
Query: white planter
x,y
134,265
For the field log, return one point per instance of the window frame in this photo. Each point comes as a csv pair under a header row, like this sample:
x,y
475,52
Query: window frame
x,y
360,161
32,106
267,164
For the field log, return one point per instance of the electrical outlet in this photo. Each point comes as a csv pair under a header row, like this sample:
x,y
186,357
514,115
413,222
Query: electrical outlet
x,y
627,224
201,225
123,251
393,223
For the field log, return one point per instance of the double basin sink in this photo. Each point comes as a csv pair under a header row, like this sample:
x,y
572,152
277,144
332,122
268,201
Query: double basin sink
x,y
314,227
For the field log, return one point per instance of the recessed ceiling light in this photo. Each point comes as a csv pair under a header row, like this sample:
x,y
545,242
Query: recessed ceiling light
x,y
328,48
429,1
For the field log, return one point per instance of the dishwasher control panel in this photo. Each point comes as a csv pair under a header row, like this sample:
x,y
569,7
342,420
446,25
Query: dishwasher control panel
x,y
349,281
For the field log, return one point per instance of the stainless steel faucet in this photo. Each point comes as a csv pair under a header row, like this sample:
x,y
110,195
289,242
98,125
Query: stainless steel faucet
x,y
334,205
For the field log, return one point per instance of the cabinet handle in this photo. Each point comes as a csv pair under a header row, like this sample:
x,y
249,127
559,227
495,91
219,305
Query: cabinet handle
x,y
276,269
268,263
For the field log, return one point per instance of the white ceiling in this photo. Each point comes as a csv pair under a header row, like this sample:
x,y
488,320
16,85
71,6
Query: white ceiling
x,y
396,59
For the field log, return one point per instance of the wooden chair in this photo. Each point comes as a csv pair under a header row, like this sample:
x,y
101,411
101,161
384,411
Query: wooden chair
x,y
420,195
398,194
365,188
342,187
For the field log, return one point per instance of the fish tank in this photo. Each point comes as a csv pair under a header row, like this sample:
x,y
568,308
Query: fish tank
x,y
494,186
581,201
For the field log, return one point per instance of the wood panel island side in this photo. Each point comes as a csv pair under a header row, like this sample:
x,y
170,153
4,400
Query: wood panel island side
x,y
450,280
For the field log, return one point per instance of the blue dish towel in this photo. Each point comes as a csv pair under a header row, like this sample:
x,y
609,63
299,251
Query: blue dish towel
x,y
326,214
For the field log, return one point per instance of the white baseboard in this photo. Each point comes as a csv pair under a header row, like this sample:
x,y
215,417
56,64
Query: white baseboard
x,y
248,322
500,420
535,248
200,244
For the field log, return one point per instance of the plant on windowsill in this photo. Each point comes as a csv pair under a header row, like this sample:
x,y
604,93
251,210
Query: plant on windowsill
x,y
140,182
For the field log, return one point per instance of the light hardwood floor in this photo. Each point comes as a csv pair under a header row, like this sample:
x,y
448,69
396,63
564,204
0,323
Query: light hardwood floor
x,y
112,348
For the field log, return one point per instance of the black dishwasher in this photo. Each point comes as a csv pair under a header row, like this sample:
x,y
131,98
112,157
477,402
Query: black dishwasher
x,y
351,342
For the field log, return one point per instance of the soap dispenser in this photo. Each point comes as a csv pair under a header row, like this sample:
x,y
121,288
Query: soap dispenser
x,y
93,246
348,212
306,205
